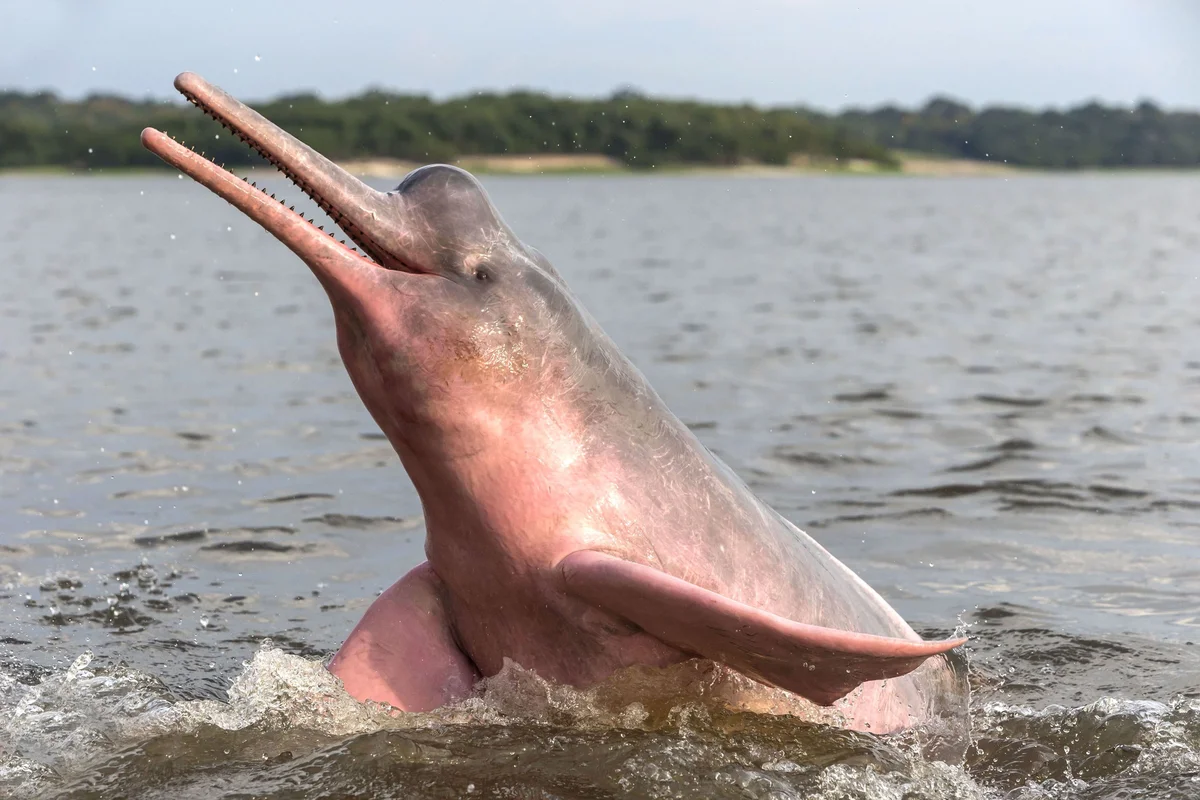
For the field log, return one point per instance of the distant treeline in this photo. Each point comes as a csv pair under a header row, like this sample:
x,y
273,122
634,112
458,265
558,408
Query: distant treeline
x,y
102,131
1088,136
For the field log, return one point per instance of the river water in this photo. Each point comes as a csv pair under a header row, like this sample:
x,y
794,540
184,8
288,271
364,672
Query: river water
x,y
983,395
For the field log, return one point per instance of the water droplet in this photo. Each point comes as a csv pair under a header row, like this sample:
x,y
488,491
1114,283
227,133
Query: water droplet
x,y
204,622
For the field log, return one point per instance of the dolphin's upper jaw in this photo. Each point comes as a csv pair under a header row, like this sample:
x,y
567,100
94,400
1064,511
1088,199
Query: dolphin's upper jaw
x,y
273,144
368,246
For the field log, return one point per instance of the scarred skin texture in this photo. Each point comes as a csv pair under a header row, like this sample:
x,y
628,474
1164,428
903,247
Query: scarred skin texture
x,y
529,437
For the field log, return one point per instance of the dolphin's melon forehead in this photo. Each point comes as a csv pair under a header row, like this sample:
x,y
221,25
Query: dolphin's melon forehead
x,y
451,202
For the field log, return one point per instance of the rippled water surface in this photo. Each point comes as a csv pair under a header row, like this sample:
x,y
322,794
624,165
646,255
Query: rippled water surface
x,y
982,395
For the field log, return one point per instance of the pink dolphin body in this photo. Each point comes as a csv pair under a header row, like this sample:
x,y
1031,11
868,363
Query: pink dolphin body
x,y
574,525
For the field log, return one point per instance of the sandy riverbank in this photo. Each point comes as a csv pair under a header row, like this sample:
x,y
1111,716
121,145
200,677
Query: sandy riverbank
x,y
555,163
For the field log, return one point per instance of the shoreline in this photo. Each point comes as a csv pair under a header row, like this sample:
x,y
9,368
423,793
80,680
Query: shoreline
x,y
595,164
917,165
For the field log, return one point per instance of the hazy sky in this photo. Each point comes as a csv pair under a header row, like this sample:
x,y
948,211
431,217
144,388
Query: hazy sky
x,y
826,53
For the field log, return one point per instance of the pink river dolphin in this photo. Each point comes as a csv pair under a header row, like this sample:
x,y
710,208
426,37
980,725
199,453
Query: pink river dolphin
x,y
573,524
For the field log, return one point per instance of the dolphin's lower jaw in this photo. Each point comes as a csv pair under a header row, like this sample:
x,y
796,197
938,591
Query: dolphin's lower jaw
x,y
332,262
574,525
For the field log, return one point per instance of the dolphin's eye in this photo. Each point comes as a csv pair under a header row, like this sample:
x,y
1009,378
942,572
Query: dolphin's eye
x,y
482,274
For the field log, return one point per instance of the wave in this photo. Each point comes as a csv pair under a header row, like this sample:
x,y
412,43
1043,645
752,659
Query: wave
x,y
288,727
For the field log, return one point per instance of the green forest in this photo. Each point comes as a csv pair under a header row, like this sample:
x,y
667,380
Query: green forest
x,y
42,130
1090,135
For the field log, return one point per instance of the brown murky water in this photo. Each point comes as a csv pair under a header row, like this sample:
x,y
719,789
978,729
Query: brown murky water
x,y
982,395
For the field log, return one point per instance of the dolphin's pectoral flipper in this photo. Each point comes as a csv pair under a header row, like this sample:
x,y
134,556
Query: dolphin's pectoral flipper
x,y
403,651
820,664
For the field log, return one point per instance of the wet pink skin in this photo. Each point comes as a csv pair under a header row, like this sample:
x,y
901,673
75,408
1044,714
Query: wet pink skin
x,y
573,524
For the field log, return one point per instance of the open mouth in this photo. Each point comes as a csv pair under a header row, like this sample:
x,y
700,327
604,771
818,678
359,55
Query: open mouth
x,y
358,237
340,195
